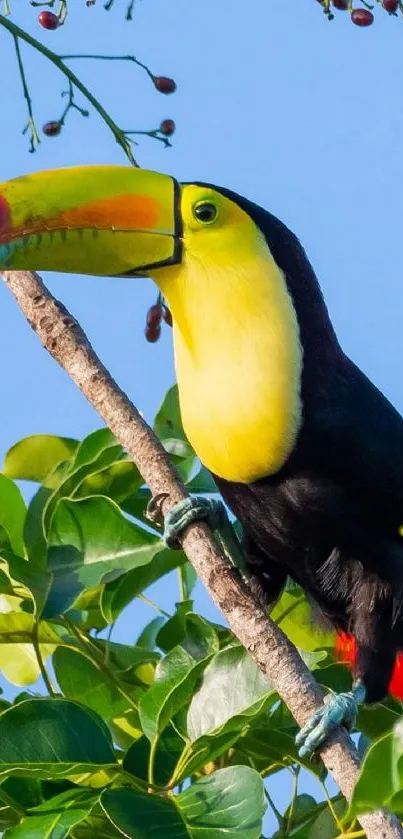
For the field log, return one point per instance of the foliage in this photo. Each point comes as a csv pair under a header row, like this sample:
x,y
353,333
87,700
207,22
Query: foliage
x,y
176,734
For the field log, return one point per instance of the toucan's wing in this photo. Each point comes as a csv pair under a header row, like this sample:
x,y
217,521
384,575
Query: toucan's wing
x,y
356,436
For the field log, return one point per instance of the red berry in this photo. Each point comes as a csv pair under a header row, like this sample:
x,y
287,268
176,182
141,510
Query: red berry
x,y
152,333
164,85
340,4
362,17
48,20
52,129
154,315
390,6
167,127
167,316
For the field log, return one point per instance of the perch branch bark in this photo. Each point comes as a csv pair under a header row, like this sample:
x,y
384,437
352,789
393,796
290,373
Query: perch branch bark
x,y
64,339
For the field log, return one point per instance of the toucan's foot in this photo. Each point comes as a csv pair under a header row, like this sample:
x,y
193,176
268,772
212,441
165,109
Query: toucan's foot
x,y
341,709
199,508
185,512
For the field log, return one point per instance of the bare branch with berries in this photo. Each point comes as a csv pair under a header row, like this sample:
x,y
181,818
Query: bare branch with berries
x,y
52,20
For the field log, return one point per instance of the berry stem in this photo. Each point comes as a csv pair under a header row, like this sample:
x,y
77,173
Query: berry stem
x,y
55,59
34,139
62,11
6,8
155,134
129,10
71,104
109,58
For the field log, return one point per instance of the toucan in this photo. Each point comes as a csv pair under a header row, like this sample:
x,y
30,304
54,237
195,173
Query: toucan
x,y
306,452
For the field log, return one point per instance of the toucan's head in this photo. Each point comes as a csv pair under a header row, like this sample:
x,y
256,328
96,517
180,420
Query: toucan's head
x,y
121,221
114,221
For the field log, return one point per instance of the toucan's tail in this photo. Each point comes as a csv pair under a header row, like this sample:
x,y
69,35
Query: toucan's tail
x,y
346,649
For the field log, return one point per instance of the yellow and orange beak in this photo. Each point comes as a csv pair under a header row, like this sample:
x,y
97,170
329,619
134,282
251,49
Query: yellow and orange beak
x,y
105,220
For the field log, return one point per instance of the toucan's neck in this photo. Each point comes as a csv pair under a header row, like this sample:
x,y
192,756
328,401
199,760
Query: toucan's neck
x,y
238,361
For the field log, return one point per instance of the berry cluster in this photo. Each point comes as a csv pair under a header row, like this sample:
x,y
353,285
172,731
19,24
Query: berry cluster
x,y
359,16
155,315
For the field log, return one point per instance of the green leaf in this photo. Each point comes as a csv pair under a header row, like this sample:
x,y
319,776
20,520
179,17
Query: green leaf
x,y
53,819
271,748
126,658
233,694
170,747
336,677
12,514
294,614
380,781
96,825
117,594
374,721
301,813
325,826
176,676
148,636
96,452
231,802
174,630
202,483
89,540
81,680
18,660
136,505
28,582
34,534
33,458
117,482
179,448
52,738
233,690
24,792
168,422
139,816
126,728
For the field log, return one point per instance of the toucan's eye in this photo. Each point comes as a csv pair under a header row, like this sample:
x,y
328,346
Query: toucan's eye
x,y
205,212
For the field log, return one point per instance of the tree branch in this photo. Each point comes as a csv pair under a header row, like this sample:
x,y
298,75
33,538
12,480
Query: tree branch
x,y
278,659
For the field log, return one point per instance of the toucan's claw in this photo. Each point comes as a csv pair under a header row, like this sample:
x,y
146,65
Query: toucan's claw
x,y
187,511
341,709
198,508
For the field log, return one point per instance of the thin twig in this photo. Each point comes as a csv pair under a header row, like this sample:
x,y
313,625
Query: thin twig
x,y
34,138
44,673
96,57
71,105
274,654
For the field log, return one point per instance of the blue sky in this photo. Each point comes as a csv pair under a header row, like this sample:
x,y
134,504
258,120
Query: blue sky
x,y
298,114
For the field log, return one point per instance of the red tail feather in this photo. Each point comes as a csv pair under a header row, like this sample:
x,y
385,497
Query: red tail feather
x,y
346,649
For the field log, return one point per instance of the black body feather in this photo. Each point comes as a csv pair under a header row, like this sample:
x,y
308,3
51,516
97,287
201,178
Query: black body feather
x,y
330,517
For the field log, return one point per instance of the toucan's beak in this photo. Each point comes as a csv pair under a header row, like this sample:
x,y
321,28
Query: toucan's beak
x,y
106,220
